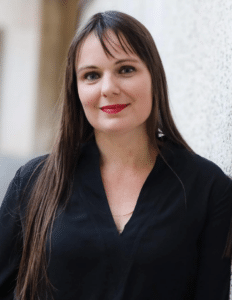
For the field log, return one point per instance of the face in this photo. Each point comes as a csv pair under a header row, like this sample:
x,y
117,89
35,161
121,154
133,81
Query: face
x,y
103,81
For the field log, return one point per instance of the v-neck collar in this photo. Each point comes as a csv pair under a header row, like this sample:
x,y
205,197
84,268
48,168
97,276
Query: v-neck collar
x,y
92,188
120,249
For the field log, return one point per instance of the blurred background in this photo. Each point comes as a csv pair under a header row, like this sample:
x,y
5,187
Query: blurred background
x,y
194,40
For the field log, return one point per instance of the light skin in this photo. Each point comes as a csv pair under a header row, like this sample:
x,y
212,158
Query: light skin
x,y
103,80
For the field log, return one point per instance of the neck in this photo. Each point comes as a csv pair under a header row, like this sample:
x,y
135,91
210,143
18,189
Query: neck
x,y
127,151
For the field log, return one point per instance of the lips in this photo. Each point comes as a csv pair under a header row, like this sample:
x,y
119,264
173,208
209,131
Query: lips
x,y
113,109
114,106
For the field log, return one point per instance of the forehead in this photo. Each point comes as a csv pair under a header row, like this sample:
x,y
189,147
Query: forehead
x,y
92,48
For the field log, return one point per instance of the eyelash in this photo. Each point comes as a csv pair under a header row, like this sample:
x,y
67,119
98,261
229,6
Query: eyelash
x,y
121,69
127,67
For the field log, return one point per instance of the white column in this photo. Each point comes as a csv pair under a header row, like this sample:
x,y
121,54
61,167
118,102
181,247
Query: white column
x,y
20,22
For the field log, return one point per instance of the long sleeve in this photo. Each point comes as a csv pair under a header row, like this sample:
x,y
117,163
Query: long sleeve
x,y
12,214
213,278
10,239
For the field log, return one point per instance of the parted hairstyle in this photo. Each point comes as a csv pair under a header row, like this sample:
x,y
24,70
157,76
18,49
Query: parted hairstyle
x,y
53,185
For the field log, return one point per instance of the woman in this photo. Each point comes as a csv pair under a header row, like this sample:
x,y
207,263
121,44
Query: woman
x,y
122,208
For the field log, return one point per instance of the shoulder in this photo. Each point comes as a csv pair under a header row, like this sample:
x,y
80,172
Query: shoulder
x,y
32,165
196,170
19,182
30,170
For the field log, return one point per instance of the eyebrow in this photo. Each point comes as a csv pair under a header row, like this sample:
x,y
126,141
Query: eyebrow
x,y
116,63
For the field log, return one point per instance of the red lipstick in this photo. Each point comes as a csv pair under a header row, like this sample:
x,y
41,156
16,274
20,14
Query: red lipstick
x,y
113,109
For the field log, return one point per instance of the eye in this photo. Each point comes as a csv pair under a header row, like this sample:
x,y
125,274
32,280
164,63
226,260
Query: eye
x,y
127,69
91,76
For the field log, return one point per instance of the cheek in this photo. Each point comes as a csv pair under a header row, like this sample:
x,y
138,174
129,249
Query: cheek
x,y
142,91
88,95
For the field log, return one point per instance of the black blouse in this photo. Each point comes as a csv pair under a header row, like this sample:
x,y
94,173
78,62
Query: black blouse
x,y
170,249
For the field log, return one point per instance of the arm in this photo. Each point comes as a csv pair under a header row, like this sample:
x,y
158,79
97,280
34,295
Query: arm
x,y
10,239
213,281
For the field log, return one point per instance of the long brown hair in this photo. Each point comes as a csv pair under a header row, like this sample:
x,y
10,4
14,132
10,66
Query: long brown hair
x,y
54,182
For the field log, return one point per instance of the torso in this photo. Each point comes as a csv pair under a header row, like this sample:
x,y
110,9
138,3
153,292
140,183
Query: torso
x,y
122,192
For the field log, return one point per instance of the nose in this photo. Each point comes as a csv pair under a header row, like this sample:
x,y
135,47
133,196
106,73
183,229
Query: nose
x,y
109,86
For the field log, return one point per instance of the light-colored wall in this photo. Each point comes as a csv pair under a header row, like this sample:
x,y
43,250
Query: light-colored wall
x,y
36,37
197,54
20,23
